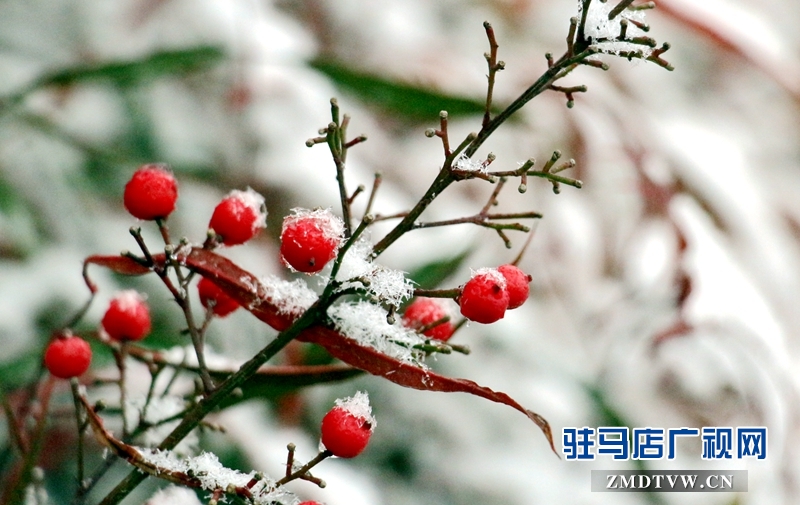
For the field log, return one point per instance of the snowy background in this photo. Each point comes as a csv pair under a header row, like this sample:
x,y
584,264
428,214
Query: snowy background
x,y
691,185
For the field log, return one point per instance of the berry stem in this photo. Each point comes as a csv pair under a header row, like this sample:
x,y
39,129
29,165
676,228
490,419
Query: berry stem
x,y
422,329
164,230
438,293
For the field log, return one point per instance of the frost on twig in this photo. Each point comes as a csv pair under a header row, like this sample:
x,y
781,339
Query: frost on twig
x,y
616,31
203,471
467,164
206,472
384,284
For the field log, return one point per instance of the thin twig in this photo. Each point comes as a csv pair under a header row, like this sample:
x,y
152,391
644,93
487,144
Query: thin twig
x,y
375,185
494,67
305,468
79,421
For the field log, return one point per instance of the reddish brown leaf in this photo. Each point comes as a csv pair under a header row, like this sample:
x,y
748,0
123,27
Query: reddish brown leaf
x,y
119,264
245,288
410,376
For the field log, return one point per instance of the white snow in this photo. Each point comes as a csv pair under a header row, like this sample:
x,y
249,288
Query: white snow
x,y
385,284
358,406
598,26
366,323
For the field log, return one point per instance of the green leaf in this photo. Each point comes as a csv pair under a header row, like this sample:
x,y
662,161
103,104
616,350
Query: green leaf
x,y
125,73
17,372
411,102
432,275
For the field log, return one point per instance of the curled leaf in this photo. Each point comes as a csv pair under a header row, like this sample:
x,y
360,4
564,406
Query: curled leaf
x,y
245,288
119,264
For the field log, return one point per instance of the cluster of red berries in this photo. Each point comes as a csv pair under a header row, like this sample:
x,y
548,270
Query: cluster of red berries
x,y
127,319
483,299
491,291
152,193
309,239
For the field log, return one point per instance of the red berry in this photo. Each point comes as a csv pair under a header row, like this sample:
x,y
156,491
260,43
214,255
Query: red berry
x,y
424,311
239,217
484,298
151,193
68,356
516,283
210,293
310,239
127,317
310,503
346,428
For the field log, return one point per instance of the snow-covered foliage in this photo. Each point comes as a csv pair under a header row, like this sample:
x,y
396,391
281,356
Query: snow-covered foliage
x,y
605,32
367,324
291,297
384,284
693,172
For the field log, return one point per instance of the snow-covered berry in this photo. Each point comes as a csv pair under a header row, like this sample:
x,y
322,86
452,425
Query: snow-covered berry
x,y
484,298
239,217
127,317
68,356
151,193
425,311
212,296
346,428
516,284
310,239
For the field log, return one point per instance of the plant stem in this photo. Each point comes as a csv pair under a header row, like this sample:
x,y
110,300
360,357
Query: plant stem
x,y
194,416
445,177
79,421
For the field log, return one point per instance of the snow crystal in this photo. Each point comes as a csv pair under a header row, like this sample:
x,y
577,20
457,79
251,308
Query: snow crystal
x,y
128,300
366,323
207,469
385,284
291,298
599,27
493,273
358,406
324,220
467,164
255,202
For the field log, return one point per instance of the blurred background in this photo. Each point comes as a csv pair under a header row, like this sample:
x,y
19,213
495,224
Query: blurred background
x,y
665,291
